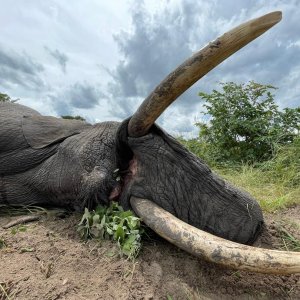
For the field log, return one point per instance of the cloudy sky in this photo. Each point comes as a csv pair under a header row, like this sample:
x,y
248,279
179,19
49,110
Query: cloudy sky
x,y
100,59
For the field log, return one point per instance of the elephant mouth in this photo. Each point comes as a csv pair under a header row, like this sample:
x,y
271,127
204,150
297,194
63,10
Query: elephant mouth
x,y
183,235
124,179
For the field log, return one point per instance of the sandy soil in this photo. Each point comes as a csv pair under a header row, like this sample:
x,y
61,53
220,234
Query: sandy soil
x,y
49,261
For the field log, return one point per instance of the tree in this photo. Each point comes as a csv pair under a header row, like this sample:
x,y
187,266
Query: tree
x,y
73,118
245,124
6,98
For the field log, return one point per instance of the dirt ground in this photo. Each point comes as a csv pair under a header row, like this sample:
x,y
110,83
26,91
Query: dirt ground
x,y
47,260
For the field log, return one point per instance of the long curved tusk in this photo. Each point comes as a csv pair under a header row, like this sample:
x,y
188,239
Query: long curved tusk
x,y
212,248
194,68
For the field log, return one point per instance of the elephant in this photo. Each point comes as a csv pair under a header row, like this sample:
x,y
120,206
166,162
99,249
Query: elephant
x,y
47,160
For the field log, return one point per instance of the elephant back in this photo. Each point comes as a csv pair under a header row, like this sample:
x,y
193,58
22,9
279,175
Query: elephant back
x,y
28,138
11,132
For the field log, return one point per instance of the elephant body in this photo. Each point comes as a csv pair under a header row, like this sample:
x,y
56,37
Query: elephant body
x,y
52,161
47,160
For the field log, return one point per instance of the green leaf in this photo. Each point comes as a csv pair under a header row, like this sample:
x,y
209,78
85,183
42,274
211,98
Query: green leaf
x,y
86,216
96,219
109,231
103,221
119,234
133,222
126,214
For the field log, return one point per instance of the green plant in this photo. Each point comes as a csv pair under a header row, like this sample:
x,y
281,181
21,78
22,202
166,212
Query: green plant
x,y
19,228
113,223
289,242
245,124
6,98
272,193
2,243
285,165
199,148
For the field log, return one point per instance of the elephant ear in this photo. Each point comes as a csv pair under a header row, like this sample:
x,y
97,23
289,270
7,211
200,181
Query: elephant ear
x,y
42,131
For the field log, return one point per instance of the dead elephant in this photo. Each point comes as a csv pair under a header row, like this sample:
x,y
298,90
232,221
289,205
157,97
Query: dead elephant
x,y
47,160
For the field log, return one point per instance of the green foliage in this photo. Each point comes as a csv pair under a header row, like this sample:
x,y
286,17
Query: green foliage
x,y
199,148
245,124
73,118
285,165
6,98
20,228
251,143
113,223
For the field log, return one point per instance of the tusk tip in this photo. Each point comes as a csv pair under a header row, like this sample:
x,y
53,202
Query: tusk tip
x,y
272,18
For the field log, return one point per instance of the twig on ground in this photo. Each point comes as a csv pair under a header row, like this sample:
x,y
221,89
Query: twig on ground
x,y
22,220
3,293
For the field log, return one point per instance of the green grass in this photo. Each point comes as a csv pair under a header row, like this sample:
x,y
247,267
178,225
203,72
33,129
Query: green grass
x,y
272,192
18,228
289,242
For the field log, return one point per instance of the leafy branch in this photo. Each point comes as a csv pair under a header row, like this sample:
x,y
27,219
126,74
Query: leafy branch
x,y
113,223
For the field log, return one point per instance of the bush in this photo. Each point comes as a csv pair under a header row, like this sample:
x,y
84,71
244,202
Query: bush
x,y
6,98
200,149
245,125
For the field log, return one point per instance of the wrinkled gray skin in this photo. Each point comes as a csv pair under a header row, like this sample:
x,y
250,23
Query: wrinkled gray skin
x,y
51,161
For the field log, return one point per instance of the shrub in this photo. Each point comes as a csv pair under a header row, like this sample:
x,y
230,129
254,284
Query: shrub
x,y
245,125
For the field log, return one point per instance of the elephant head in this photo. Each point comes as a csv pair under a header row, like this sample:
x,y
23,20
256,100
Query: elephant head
x,y
72,163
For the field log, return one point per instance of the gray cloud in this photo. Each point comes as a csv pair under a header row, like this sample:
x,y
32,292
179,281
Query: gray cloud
x,y
60,57
161,35
76,96
83,95
154,47
19,69
158,42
